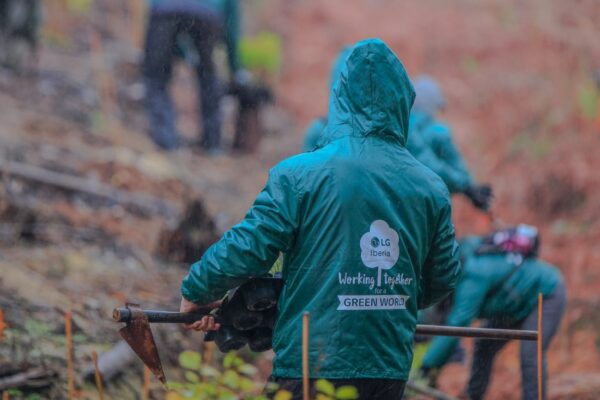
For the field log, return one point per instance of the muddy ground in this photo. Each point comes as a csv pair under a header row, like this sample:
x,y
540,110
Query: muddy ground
x,y
516,76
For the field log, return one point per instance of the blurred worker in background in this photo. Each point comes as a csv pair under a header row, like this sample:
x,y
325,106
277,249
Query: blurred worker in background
x,y
501,279
316,127
20,22
203,23
366,234
430,141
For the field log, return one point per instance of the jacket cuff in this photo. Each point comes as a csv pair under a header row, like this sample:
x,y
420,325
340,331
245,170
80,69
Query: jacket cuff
x,y
191,293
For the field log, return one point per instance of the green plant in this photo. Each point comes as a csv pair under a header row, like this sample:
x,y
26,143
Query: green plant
x,y
262,52
277,266
327,391
588,99
235,379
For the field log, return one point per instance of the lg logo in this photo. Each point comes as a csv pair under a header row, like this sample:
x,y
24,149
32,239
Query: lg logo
x,y
376,242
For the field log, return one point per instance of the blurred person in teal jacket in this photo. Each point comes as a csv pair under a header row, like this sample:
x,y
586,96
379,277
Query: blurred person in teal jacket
x,y
366,234
315,129
430,141
501,288
203,23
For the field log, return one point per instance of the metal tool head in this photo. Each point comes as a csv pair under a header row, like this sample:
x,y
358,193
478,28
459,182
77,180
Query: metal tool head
x,y
138,335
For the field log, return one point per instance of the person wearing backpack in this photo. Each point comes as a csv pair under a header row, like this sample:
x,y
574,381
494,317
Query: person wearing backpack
x,y
501,279
430,141
366,236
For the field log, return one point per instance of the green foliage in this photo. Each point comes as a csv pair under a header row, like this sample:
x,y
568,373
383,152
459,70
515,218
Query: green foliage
x,y
79,6
190,359
17,394
283,395
588,99
325,387
327,391
419,351
346,393
277,266
235,379
535,148
36,328
261,52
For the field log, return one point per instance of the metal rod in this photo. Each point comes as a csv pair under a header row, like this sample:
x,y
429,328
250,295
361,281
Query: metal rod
x,y
483,333
173,317
161,317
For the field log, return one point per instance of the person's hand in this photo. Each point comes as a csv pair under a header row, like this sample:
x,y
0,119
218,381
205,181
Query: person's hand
x,y
207,323
480,195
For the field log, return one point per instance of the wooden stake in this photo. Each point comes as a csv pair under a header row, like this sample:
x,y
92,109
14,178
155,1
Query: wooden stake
x,y
101,77
305,369
98,376
146,387
137,13
70,369
209,351
3,325
539,346
4,395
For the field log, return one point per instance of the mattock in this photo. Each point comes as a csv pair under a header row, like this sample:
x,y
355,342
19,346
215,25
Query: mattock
x,y
138,335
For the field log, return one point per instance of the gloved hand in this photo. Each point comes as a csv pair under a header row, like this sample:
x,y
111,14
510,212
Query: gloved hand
x,y
480,195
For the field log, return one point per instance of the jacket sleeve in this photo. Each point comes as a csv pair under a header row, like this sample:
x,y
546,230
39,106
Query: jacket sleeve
x,y
232,33
468,301
249,248
450,165
441,269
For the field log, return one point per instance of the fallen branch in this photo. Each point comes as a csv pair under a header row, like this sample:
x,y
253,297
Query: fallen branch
x,y
428,391
32,378
111,363
142,201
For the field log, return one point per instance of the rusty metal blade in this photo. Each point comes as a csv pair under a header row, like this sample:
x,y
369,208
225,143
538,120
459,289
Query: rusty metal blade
x,y
138,335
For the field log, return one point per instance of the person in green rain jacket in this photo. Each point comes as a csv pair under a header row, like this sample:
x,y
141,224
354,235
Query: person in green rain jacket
x,y
430,141
503,290
366,234
317,126
202,23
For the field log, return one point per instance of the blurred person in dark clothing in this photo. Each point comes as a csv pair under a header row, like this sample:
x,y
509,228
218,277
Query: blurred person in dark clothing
x,y
205,23
20,21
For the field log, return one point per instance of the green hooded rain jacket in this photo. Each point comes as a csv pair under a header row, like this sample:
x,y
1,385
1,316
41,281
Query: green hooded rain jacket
x,y
365,231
